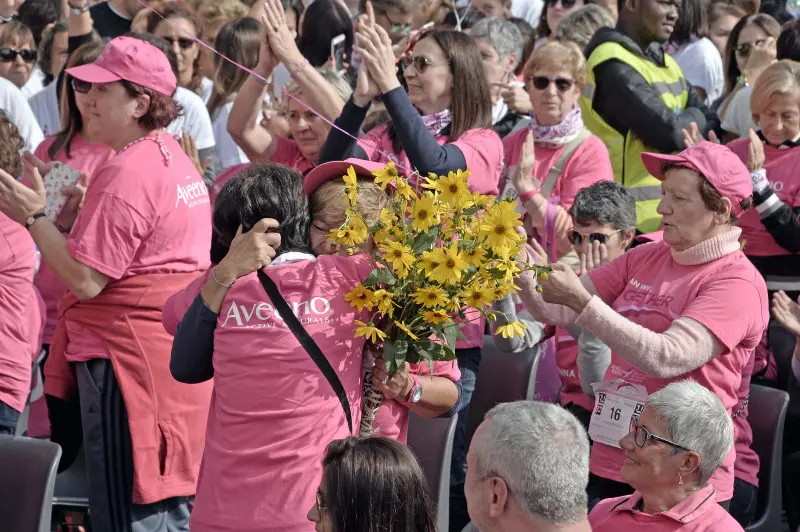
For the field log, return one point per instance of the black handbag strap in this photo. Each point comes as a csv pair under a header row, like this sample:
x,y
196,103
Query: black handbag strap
x,y
308,344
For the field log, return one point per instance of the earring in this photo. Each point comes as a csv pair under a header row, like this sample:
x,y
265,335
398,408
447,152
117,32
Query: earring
x,y
680,480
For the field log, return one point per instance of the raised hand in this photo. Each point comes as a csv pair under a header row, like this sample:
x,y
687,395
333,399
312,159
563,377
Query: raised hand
x,y
787,312
523,176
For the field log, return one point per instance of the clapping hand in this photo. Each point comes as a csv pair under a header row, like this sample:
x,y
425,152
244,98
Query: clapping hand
x,y
375,47
523,176
787,312
755,152
595,256
280,41
692,136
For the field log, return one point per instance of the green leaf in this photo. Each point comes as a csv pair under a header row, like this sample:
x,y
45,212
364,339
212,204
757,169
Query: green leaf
x,y
425,240
447,354
380,276
471,211
400,352
450,333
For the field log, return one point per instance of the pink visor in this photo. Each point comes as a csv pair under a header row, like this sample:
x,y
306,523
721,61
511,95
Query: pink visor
x,y
132,60
336,170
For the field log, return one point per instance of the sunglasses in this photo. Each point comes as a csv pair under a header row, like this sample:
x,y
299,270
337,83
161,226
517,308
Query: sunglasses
x,y
184,43
576,237
420,62
542,82
641,435
29,55
566,4
80,86
744,49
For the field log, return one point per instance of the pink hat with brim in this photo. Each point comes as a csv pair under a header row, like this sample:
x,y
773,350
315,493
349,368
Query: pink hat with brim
x,y
132,60
336,170
723,169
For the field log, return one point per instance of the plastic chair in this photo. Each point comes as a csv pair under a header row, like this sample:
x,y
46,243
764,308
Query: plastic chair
x,y
432,442
766,416
502,378
72,485
27,476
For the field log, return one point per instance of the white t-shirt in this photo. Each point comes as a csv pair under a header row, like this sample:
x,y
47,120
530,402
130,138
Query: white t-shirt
x,y
206,89
44,105
16,107
738,118
529,10
194,119
228,152
702,67
35,82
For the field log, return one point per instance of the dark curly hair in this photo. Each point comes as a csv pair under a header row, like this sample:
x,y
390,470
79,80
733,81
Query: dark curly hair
x,y
10,146
163,109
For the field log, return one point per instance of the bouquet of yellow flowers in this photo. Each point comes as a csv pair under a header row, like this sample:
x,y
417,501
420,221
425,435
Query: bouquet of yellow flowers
x,y
438,252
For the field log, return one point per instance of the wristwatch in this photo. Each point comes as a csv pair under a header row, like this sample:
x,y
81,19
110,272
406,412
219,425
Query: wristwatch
x,y
31,219
416,391
78,10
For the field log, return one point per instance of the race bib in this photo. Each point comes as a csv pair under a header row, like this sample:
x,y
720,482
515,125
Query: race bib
x,y
616,403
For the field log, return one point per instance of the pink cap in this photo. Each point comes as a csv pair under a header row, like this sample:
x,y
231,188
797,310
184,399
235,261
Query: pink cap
x,y
132,60
335,170
715,162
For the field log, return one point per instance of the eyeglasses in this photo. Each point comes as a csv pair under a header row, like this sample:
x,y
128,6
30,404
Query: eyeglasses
x,y
420,62
745,48
29,55
641,435
575,237
184,43
80,86
566,4
542,82
321,506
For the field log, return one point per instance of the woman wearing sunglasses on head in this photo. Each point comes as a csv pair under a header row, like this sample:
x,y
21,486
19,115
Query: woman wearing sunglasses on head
x,y
18,53
442,124
694,288
672,449
547,163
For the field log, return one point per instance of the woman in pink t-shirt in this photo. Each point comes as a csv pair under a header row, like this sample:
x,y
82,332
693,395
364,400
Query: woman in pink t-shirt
x,y
550,161
141,235
695,288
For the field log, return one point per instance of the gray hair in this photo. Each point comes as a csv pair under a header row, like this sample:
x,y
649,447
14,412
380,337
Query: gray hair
x,y
580,25
541,451
695,419
505,36
604,202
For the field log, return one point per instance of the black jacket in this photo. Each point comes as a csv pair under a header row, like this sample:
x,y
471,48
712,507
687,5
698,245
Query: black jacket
x,y
627,102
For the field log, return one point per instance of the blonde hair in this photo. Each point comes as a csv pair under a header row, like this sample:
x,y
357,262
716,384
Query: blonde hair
x,y
328,201
782,78
558,55
337,81
221,11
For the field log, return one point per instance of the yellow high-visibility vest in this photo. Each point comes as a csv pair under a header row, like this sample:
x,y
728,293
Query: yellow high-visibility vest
x,y
625,151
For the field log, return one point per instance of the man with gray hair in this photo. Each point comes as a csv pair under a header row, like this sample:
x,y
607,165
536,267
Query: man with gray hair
x,y
501,43
528,466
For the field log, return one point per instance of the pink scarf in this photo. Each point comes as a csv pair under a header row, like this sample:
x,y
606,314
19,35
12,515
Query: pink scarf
x,y
437,122
559,134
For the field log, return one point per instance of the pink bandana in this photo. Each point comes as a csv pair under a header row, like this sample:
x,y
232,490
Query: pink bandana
x,y
559,134
437,122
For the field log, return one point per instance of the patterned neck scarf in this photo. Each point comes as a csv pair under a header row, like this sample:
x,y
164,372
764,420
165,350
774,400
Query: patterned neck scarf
x,y
438,122
559,134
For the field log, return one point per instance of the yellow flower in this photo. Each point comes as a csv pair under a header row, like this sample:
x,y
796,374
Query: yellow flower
x,y
454,305
424,213
474,257
403,327
386,175
450,265
510,330
436,316
482,200
427,263
388,217
370,332
360,297
399,256
430,297
351,185
477,296
498,225
351,235
383,301
404,190
453,189
501,290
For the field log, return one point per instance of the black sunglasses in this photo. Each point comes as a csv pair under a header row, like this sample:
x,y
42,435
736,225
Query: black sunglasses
x,y
542,82
744,49
566,3
420,62
183,42
29,55
576,237
641,435
78,85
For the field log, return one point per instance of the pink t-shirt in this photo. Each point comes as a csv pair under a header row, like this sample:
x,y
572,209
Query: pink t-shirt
x,y
21,318
747,462
482,149
567,363
697,513
140,216
272,412
781,167
391,420
288,154
588,164
728,296
86,157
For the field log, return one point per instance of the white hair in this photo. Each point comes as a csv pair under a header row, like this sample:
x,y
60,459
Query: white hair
x,y
695,419
541,451
503,34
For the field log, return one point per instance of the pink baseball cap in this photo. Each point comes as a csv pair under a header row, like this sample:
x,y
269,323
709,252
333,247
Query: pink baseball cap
x,y
335,170
715,162
132,60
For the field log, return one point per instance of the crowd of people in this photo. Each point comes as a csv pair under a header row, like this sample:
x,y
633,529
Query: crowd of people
x,y
170,173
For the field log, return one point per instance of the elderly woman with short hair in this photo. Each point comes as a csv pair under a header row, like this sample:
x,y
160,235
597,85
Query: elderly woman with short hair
x,y
550,161
673,448
695,288
579,26
501,46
